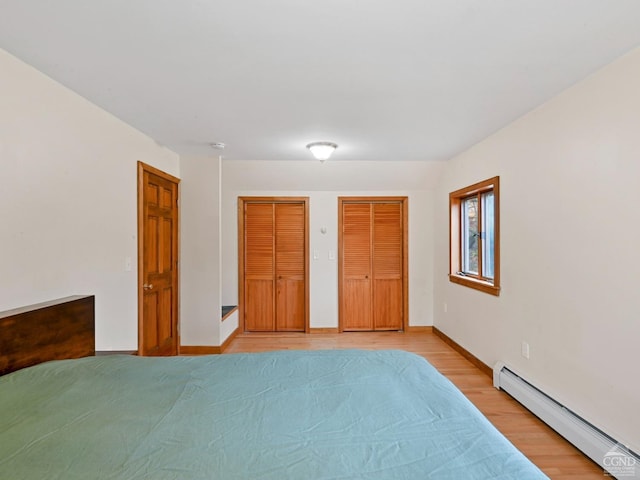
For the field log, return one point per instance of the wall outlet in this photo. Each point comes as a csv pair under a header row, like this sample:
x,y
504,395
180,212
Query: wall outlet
x,y
525,350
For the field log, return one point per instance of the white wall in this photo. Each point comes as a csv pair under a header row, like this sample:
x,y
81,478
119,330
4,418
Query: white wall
x,y
68,200
570,229
323,184
200,312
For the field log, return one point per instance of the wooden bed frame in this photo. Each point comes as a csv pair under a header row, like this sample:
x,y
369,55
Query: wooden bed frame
x,y
55,330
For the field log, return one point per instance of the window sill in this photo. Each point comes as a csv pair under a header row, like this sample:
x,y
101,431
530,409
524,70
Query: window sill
x,y
485,287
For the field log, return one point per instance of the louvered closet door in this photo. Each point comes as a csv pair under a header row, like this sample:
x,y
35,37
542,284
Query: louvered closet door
x,y
356,267
274,266
387,266
290,263
259,312
372,290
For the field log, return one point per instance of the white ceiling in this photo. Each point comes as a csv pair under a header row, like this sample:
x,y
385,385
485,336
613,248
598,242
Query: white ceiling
x,y
386,80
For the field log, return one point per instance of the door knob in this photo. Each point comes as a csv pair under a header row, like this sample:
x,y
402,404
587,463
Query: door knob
x,y
147,286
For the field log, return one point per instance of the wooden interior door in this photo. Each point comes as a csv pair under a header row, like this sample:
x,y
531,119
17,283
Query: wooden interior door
x,y
355,308
387,247
290,262
157,262
274,264
259,269
372,263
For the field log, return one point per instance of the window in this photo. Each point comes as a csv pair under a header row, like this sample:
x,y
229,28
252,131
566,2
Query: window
x,y
474,236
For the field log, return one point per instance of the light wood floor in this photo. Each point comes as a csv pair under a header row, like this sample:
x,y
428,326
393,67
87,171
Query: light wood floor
x,y
550,452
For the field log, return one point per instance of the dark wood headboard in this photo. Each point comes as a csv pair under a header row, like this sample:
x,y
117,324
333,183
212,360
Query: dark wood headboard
x,y
55,330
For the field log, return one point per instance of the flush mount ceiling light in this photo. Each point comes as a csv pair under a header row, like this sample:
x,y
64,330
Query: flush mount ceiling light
x,y
322,150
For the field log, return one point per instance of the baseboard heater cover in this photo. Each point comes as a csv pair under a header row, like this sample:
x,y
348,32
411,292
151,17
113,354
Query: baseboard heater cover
x,y
592,441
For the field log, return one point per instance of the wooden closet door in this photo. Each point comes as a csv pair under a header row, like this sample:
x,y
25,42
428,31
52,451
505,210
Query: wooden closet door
x,y
387,266
355,310
290,266
372,264
259,312
274,276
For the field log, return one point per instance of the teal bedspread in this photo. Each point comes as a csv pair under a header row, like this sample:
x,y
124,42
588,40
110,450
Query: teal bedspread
x,y
304,415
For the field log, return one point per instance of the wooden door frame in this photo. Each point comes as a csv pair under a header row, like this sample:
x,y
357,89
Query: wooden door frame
x,y
142,168
241,203
404,201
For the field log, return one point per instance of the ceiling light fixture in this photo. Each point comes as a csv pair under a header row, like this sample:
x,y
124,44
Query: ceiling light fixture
x,y
322,150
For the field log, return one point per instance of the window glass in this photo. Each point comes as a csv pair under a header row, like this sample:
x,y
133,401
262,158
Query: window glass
x,y
470,235
488,235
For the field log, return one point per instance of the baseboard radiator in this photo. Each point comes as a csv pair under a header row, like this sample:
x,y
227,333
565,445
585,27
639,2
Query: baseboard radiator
x,y
594,443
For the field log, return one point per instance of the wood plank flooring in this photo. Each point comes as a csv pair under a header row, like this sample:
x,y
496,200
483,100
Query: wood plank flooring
x,y
548,450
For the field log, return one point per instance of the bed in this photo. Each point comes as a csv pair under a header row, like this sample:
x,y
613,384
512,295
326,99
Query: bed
x,y
334,414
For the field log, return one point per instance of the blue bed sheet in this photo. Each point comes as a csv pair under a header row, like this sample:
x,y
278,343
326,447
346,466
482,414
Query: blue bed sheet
x,y
340,414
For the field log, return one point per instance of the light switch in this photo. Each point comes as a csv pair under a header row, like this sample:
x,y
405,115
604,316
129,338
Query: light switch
x,y
127,264
316,254
332,255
